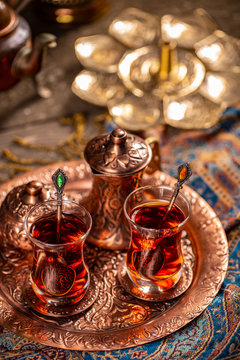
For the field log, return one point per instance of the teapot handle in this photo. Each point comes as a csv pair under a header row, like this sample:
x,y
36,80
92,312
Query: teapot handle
x,y
155,162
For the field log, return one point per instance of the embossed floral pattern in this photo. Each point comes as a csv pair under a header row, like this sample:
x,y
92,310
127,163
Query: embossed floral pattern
x,y
111,322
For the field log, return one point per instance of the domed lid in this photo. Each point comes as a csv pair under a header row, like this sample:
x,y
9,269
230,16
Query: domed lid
x,y
117,153
19,200
8,19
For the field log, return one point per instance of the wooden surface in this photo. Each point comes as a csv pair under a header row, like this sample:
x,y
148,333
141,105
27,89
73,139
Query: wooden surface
x,y
24,114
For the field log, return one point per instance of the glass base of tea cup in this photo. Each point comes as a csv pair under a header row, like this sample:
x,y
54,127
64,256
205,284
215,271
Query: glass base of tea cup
x,y
147,290
162,285
58,308
60,300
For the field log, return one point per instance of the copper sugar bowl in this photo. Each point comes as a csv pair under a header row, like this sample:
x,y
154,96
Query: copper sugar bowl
x,y
13,210
117,160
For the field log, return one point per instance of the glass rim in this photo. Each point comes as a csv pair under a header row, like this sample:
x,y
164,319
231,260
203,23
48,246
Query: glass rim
x,y
153,229
49,245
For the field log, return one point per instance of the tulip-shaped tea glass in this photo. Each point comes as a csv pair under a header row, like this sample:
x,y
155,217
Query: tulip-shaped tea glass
x,y
59,275
154,258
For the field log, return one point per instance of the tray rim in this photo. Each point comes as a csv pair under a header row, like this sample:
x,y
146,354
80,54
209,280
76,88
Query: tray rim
x,y
100,340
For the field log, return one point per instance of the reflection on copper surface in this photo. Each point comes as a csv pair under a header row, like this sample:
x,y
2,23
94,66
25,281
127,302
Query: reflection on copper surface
x,y
103,326
117,160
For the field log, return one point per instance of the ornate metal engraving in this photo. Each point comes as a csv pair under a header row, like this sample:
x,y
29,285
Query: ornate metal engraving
x,y
117,160
117,153
116,319
15,207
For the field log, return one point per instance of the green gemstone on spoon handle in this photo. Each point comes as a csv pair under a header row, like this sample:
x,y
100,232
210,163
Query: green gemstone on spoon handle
x,y
184,173
59,179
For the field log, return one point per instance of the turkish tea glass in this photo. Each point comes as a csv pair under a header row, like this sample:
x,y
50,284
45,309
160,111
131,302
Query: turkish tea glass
x,y
59,275
154,258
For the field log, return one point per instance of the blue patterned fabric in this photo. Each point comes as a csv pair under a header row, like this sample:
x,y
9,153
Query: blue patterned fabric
x,y
214,156
215,334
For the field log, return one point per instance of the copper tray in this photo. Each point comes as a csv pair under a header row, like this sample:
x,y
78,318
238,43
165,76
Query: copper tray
x,y
116,319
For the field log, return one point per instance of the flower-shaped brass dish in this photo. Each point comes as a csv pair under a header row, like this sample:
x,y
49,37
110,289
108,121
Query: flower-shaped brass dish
x,y
135,69
116,319
183,63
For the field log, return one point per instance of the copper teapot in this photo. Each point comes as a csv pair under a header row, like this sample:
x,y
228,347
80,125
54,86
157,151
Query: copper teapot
x,y
117,161
18,56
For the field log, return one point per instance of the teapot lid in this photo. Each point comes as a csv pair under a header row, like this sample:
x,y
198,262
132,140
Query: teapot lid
x,y
8,19
117,153
21,198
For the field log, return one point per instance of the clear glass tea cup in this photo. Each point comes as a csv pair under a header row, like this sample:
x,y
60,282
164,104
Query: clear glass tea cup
x,y
154,259
59,275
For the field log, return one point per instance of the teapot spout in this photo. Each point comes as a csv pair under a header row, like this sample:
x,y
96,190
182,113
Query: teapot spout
x,y
29,60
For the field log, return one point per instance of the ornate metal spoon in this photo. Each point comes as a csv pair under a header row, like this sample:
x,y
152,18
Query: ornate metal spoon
x,y
184,173
59,179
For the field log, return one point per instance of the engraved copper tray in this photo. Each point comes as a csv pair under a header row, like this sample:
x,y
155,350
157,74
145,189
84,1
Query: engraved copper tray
x,y
116,319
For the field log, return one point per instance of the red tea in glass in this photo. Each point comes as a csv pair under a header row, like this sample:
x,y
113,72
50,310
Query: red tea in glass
x,y
154,258
161,257
59,274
